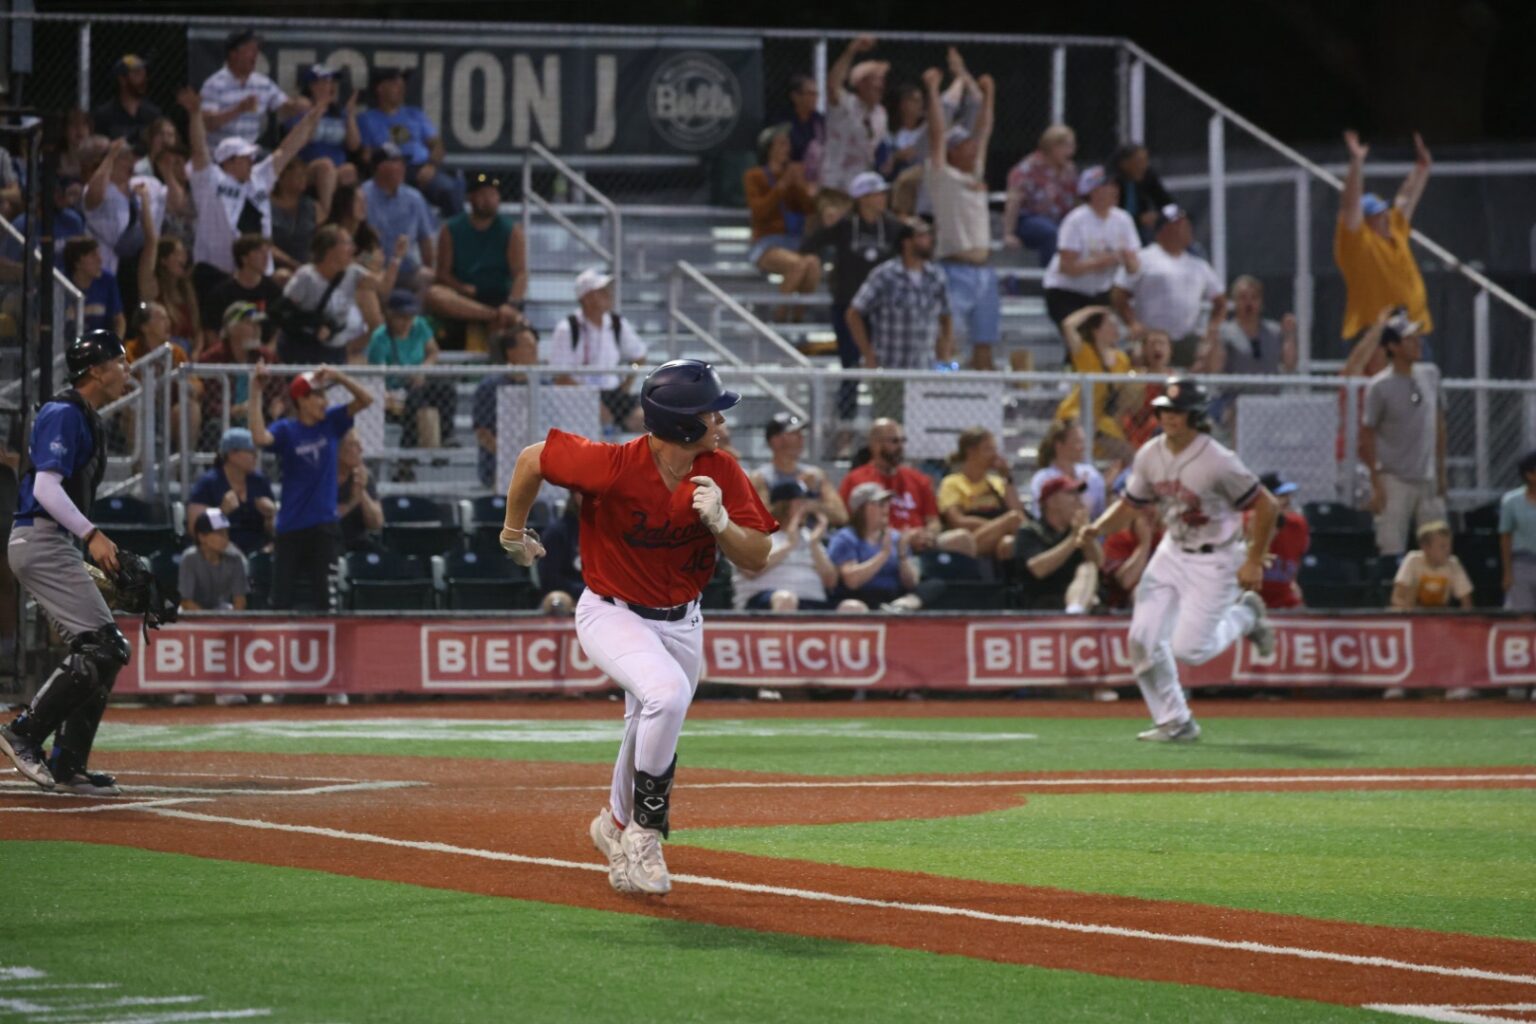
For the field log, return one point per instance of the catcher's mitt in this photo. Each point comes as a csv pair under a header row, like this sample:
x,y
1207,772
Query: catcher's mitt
x,y
135,589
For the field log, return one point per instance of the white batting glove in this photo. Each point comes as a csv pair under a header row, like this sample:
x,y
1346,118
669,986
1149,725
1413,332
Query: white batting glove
x,y
709,503
522,545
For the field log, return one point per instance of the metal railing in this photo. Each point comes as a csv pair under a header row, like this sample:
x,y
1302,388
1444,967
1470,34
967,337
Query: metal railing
x,y
612,254
68,309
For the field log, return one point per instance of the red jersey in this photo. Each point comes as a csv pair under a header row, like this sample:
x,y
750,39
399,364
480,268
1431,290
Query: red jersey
x,y
1118,549
640,542
912,500
1292,538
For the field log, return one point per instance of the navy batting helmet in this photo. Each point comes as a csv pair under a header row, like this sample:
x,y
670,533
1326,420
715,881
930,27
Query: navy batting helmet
x,y
1184,394
675,393
92,349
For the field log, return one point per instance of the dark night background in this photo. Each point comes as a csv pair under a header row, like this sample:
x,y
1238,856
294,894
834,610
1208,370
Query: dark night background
x,y
1461,71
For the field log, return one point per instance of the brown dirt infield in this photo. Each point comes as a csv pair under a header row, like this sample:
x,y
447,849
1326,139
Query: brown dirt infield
x,y
541,810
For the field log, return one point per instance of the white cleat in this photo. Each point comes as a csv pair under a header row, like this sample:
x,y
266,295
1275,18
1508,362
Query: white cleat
x,y
1261,634
608,838
647,867
1186,731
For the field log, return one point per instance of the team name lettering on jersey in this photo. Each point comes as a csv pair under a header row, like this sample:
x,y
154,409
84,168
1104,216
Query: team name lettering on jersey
x,y
642,535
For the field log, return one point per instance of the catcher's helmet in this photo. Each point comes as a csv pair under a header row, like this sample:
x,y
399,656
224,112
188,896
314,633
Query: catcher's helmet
x,y
675,393
1184,394
92,349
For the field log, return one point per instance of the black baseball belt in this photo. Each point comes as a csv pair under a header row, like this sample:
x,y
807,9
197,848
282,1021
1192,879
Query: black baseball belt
x,y
673,614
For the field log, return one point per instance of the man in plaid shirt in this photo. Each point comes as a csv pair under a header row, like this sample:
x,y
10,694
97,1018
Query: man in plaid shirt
x,y
900,316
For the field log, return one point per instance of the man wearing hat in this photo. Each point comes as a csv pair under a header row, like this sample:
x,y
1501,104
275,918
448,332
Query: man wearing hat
x,y
1059,565
406,339
858,243
306,447
1371,244
327,157
595,337
1291,540
389,119
1096,239
66,459
856,116
785,435
127,113
397,210
234,487
212,576
1168,290
956,177
1402,437
482,261
237,98
232,191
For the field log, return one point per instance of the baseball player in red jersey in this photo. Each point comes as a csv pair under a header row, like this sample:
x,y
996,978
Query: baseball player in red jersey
x,y
655,514
1197,595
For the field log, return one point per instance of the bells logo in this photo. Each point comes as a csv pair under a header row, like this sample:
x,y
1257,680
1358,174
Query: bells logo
x,y
694,101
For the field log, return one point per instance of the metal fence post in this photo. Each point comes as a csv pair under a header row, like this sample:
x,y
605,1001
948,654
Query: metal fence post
x,y
1216,155
819,64
1480,342
1351,439
1122,94
1058,85
184,464
1138,101
1301,287
674,295
83,90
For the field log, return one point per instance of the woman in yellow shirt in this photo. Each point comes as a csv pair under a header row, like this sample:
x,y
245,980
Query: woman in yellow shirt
x,y
979,495
1092,335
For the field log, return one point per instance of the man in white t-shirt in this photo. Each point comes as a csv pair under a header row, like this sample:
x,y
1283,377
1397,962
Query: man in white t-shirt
x,y
1096,238
957,187
856,116
1169,290
237,98
232,192
596,337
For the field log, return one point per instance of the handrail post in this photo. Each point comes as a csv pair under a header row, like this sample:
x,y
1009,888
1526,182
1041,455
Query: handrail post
x,y
1349,469
1058,85
1216,156
674,297
819,64
1480,363
1138,101
184,464
83,80
1301,288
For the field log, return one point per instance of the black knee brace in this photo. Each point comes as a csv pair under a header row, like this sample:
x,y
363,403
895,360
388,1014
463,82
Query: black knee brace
x,y
102,653
85,678
653,799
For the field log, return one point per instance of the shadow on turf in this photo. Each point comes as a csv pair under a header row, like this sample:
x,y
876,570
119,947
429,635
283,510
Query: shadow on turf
x,y
1304,751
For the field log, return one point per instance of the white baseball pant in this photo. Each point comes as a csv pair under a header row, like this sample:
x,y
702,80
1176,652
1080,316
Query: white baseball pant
x,y
657,664
1186,610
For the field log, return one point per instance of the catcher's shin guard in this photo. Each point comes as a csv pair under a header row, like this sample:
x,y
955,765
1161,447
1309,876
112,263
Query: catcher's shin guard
x,y
81,683
653,799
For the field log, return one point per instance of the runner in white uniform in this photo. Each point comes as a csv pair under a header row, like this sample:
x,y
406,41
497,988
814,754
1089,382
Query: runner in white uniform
x,y
1199,592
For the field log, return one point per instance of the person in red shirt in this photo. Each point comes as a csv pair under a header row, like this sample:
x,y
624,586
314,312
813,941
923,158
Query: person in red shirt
x,y
914,509
1126,554
656,512
1292,538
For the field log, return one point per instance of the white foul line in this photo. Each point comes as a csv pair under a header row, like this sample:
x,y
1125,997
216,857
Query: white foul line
x,y
119,805
345,787
859,901
1454,1014
1176,780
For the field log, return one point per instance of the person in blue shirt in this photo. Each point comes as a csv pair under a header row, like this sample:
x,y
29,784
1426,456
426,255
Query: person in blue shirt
x,y
66,460
425,405
234,487
874,561
67,221
397,210
391,120
337,136
306,444
103,302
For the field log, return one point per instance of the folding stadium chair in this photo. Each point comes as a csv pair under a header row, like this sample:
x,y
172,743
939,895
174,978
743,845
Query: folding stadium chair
x,y
969,583
1483,519
421,526
166,565
1333,583
1480,556
474,581
384,580
140,526
720,590
258,570
1330,515
484,516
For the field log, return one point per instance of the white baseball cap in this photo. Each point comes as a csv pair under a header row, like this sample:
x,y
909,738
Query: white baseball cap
x,y
592,279
232,147
867,183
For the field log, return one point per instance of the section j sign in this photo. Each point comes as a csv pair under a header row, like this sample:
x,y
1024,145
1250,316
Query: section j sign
x,y
491,94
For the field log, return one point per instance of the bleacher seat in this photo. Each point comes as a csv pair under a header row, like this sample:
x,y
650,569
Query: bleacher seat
x,y
1480,556
142,527
1334,583
473,581
421,526
258,572
720,589
969,583
948,565
1483,519
1347,544
166,565
484,516
1330,515
385,580
1379,572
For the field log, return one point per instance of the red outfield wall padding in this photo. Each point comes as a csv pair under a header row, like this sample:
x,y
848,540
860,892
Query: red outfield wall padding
x,y
449,655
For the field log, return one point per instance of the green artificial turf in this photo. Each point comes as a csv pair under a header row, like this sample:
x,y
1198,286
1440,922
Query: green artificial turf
x,y
856,746
1448,860
311,947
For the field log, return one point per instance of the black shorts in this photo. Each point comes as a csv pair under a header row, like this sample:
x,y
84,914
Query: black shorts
x,y
1061,303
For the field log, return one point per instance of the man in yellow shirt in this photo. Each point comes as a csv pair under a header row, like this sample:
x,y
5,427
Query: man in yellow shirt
x,y
1371,246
